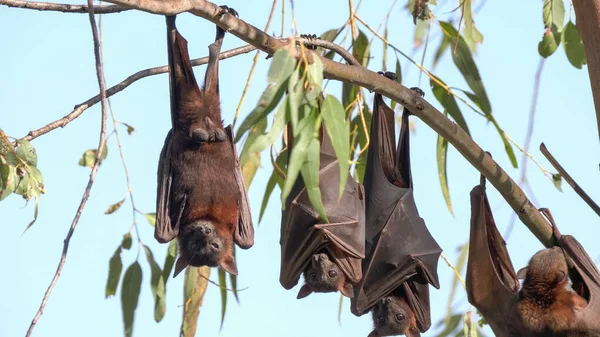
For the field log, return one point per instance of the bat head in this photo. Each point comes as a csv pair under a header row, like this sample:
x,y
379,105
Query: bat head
x,y
202,244
324,276
392,316
546,271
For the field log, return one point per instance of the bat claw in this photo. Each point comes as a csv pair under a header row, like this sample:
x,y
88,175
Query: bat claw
x,y
418,91
200,135
310,37
227,9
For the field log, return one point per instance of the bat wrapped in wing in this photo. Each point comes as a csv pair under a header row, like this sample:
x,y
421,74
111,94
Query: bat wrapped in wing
x,y
544,306
201,197
328,254
401,255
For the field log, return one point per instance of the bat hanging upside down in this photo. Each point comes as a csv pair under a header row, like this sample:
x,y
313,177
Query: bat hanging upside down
x,y
201,198
401,255
544,306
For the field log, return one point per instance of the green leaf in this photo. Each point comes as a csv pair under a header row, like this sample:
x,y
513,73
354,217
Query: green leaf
x,y
360,49
115,266
130,293
361,139
573,45
549,43
157,284
444,44
315,80
130,128
151,217
194,288
349,94
170,260
335,122
8,178
273,180
281,68
463,59
554,13
304,132
557,180
251,161
26,152
441,155
421,30
472,35
233,280
114,207
469,327
310,175
89,157
223,286
451,325
126,243
262,141
448,101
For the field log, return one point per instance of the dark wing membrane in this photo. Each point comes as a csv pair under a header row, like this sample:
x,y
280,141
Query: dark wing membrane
x,y
303,234
243,234
416,293
399,245
492,285
586,282
164,230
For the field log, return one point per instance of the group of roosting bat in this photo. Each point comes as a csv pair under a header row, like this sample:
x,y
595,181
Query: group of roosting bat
x,y
375,248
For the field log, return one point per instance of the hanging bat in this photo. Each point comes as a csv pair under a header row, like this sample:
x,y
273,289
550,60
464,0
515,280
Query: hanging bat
x,y
544,306
329,255
401,255
201,198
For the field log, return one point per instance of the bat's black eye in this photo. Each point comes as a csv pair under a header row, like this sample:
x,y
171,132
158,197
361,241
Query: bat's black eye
x,y
313,276
400,317
215,245
332,273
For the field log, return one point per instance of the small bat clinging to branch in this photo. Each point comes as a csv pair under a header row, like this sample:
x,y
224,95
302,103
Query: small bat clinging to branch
x,y
401,255
328,254
544,306
201,198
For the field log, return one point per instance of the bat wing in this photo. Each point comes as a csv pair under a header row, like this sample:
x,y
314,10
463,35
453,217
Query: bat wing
x,y
492,285
243,234
399,245
303,234
416,293
586,282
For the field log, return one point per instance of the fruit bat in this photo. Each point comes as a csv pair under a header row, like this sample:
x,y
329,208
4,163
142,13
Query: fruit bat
x,y
329,255
201,198
401,255
543,306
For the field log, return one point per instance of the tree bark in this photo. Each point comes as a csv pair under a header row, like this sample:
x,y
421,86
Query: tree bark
x,y
588,23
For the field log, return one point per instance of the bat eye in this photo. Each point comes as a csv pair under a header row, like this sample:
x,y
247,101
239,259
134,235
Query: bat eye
x,y
215,245
400,317
313,276
332,273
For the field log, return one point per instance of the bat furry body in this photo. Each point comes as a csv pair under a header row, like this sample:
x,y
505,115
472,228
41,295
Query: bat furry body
x,y
201,197
544,306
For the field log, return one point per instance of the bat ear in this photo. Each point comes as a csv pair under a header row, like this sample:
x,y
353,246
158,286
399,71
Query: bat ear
x,y
522,273
179,266
412,332
374,333
304,291
347,289
228,264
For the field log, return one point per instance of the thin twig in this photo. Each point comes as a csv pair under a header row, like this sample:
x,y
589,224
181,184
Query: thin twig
x,y
569,179
86,193
528,136
64,8
79,109
254,62
546,172
220,286
454,269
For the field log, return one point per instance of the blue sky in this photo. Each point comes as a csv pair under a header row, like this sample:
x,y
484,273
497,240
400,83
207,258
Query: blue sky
x,y
47,67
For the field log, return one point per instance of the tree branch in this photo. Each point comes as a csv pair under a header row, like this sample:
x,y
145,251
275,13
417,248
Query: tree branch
x,y
357,75
86,193
588,23
65,8
79,109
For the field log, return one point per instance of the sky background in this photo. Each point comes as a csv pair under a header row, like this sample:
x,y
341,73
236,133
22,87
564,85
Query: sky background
x,y
47,67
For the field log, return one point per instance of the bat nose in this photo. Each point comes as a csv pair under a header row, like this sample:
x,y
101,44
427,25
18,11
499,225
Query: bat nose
x,y
380,321
205,229
321,257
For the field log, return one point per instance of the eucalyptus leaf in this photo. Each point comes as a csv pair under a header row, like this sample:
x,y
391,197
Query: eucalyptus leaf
x,y
115,266
157,284
334,118
573,45
26,152
130,293
442,162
